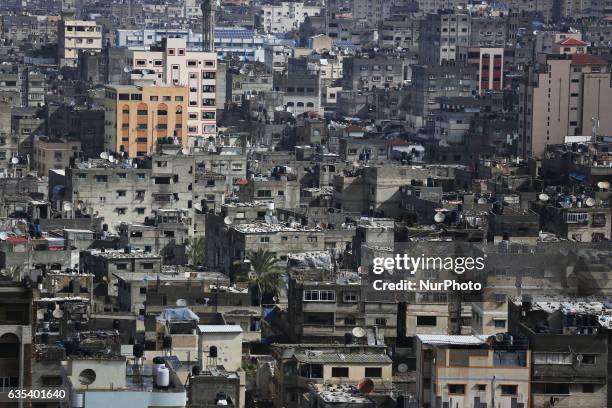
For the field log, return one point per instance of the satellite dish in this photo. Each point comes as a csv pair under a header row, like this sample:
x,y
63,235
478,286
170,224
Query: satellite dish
x,y
366,386
482,200
3,236
111,159
181,302
544,197
590,202
15,160
87,376
499,337
358,332
67,206
604,185
104,155
402,368
579,358
58,313
185,151
126,69
228,220
439,217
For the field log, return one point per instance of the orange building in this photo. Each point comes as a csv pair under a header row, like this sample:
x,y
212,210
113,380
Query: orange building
x,y
137,117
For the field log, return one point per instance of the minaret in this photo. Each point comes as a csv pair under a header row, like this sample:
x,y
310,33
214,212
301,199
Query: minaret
x,y
208,25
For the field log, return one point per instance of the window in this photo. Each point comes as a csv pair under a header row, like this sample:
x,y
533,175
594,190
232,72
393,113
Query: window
x,y
427,320
588,388
121,211
373,372
509,389
481,387
143,290
120,193
380,321
147,265
121,175
264,239
264,193
320,295
456,389
340,372
121,266
551,388
101,179
499,323
349,321
552,358
349,297
588,359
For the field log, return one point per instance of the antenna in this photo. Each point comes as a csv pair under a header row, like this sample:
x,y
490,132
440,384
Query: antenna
x,y
482,200
15,160
544,197
67,206
104,156
402,368
439,217
604,185
590,202
181,302
3,236
228,220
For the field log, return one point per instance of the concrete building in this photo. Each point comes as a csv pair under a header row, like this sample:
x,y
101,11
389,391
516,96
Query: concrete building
x,y
178,66
138,118
75,36
52,153
564,96
382,71
466,370
286,16
489,63
441,35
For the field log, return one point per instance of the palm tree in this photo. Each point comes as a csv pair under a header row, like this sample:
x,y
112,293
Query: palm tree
x,y
264,273
195,251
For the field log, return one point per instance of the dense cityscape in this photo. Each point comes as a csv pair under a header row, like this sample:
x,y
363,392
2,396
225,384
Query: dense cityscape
x,y
305,204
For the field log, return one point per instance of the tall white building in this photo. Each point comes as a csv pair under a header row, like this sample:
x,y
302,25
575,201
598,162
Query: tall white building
x,y
286,16
175,65
75,36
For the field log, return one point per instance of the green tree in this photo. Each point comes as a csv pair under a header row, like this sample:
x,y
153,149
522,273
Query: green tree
x,y
264,273
195,251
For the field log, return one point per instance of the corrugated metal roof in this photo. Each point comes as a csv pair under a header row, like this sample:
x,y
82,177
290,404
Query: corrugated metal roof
x,y
441,339
316,357
219,328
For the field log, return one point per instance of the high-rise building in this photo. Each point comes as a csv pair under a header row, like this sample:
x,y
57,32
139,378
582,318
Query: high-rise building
x,y
565,95
175,65
137,117
441,35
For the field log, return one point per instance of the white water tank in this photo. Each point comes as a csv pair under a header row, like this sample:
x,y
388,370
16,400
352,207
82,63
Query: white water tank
x,y
157,363
270,206
163,377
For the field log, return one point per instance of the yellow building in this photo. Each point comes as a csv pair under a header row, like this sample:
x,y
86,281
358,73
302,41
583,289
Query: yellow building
x,y
137,117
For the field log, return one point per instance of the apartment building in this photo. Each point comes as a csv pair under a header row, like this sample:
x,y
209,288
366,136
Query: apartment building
x,y
75,36
138,118
381,71
489,63
565,95
286,16
178,66
441,35
468,370
53,153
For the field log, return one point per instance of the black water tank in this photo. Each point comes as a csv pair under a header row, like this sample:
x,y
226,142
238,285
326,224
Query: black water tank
x,y
195,370
159,360
116,324
348,338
